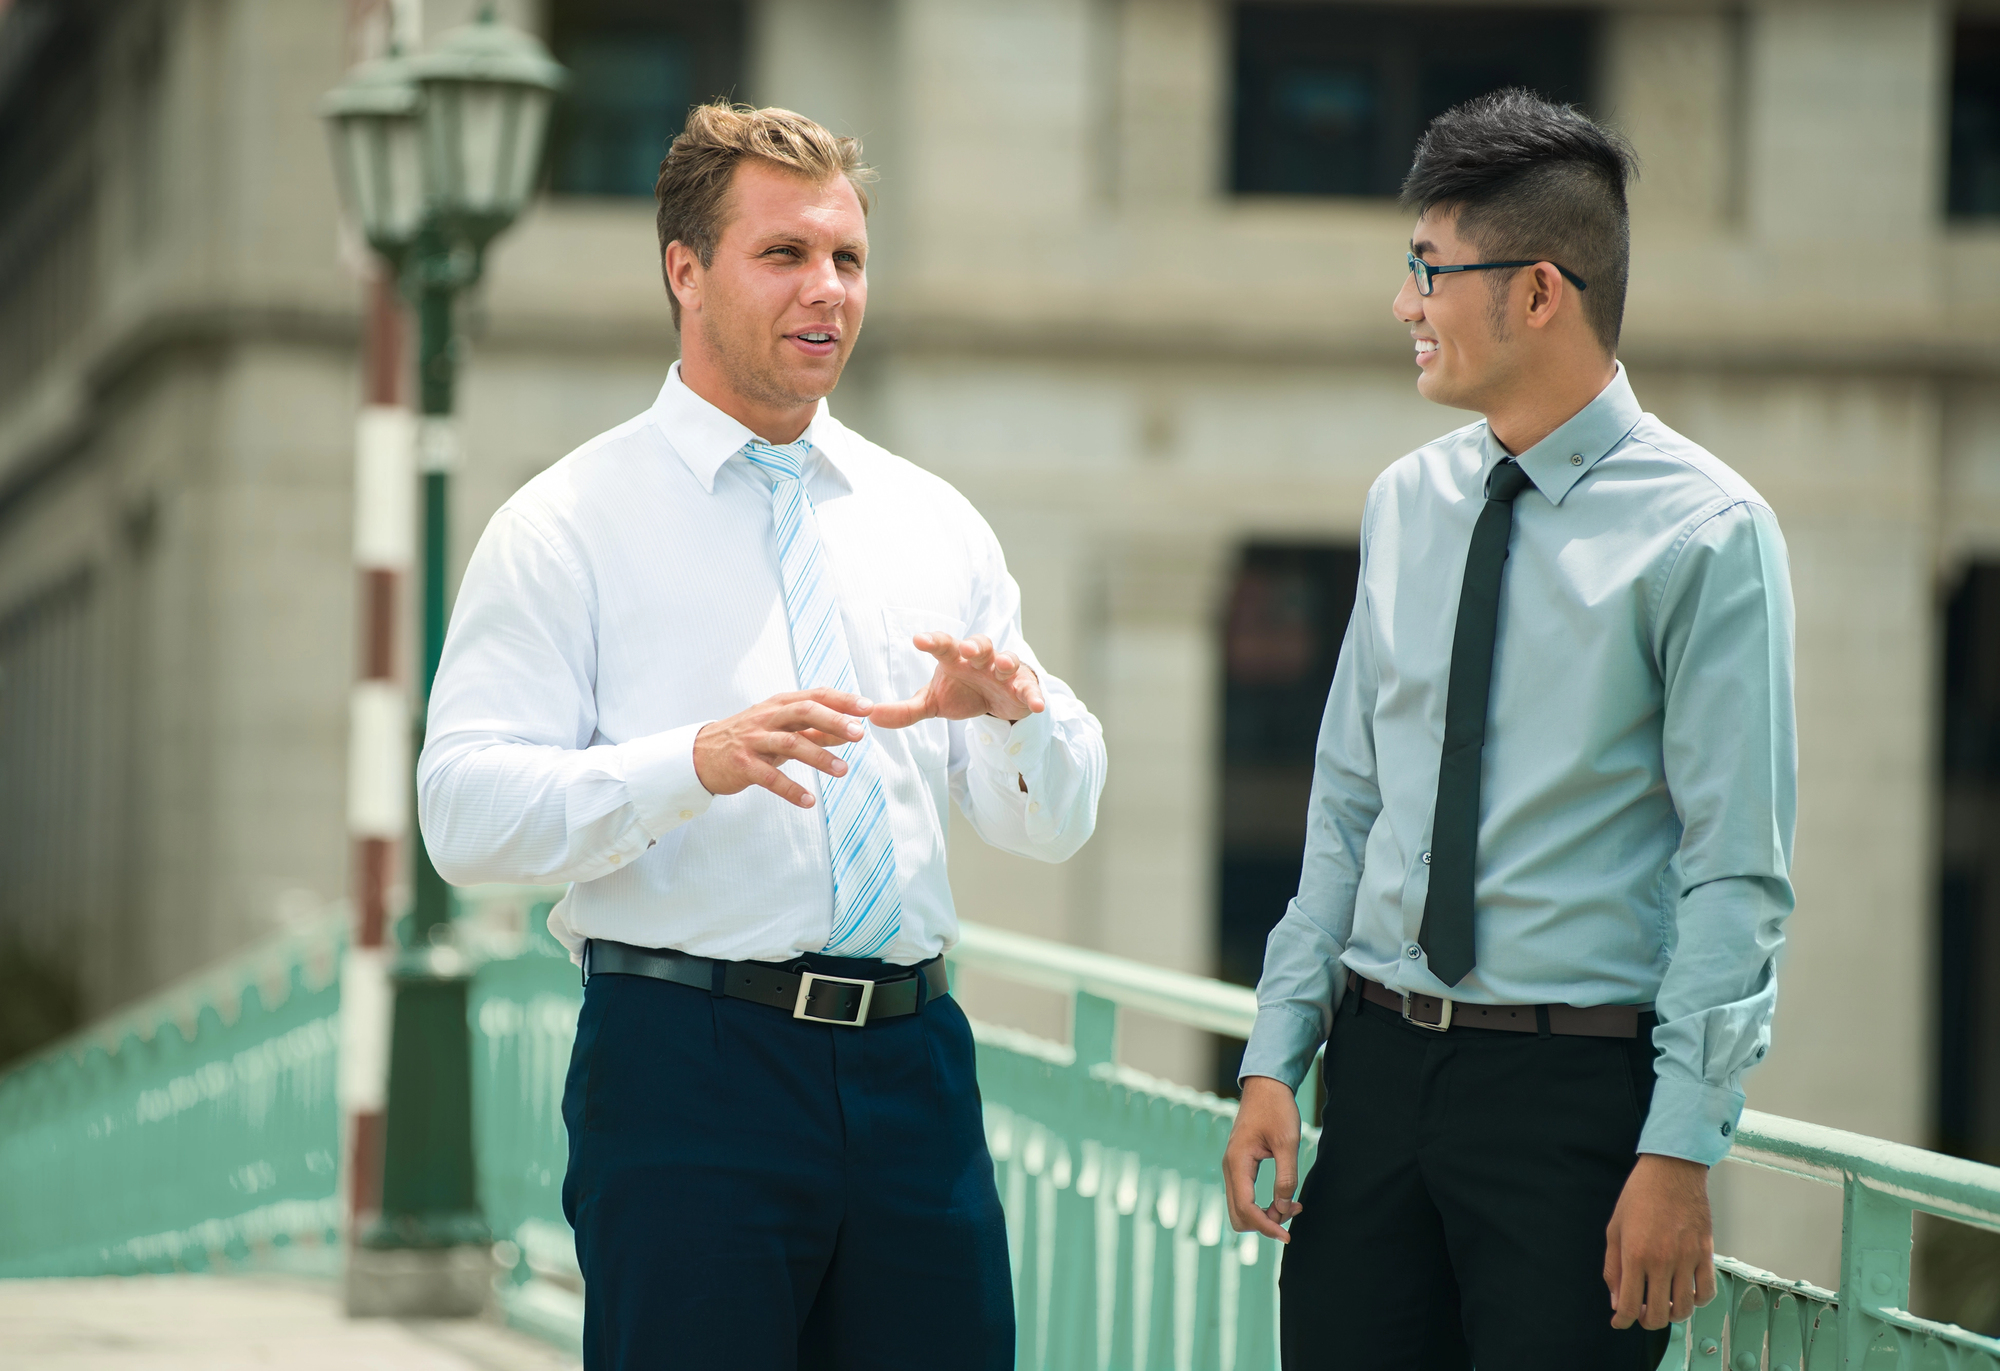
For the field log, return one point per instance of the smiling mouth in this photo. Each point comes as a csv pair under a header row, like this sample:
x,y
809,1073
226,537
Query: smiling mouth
x,y
817,336
1426,346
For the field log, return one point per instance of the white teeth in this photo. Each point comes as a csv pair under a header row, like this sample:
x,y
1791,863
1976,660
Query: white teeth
x,y
1426,345
817,337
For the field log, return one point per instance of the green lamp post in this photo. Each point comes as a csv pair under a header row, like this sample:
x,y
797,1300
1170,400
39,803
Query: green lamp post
x,y
436,154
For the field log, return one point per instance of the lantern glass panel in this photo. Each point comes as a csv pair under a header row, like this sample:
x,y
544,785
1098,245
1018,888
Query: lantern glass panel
x,y
484,142
381,168
486,125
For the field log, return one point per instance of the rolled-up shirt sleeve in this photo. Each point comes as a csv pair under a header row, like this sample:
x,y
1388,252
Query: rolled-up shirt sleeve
x,y
510,786
1724,644
1301,983
1030,787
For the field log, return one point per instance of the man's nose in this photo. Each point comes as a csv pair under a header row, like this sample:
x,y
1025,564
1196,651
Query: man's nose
x,y
1408,306
823,285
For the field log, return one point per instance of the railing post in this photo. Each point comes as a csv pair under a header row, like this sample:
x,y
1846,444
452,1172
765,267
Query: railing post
x,y
1874,1267
1093,1032
1312,1090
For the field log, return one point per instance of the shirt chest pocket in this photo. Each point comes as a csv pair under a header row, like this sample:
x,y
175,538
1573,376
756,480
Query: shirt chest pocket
x,y
910,670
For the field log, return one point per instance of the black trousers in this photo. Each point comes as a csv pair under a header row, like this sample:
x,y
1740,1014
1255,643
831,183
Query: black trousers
x,y
1455,1215
751,1192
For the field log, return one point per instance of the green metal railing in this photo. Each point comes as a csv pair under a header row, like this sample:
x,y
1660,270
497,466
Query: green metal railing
x,y
202,1125
1068,1099
193,1128
1122,1251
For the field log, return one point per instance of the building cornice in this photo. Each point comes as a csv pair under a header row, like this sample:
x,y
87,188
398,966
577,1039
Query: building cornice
x,y
50,423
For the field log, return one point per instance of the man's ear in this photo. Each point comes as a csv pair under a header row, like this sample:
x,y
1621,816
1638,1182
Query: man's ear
x,y
1548,295
683,270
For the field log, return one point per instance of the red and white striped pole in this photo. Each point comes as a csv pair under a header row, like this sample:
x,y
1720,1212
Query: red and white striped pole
x,y
378,766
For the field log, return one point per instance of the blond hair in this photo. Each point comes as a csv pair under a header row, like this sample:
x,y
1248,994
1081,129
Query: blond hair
x,y
701,162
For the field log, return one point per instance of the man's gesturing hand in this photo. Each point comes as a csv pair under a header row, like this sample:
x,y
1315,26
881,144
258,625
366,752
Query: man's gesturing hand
x,y
1267,1125
1659,1252
746,749
971,679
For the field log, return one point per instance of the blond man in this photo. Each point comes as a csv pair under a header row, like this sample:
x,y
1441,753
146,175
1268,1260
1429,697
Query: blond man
x,y
660,686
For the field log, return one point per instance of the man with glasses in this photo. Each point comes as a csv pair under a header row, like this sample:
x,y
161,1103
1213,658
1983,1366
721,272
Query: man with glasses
x,y
1549,844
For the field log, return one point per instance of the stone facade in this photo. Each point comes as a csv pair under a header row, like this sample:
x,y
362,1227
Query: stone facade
x,y
1130,371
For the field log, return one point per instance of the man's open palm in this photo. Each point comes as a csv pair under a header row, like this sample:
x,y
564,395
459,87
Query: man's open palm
x,y
971,679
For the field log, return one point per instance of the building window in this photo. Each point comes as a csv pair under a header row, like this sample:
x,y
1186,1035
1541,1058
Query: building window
x,y
1288,611
1968,1092
636,66
1973,179
47,674
1330,99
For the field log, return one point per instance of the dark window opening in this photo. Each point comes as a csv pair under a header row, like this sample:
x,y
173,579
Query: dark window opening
x,y
1288,611
1960,1266
1973,174
636,67
1968,1092
46,674
1330,99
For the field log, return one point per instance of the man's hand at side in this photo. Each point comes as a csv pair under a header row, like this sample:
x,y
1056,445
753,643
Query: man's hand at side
x,y
733,754
1267,1125
1659,1252
971,679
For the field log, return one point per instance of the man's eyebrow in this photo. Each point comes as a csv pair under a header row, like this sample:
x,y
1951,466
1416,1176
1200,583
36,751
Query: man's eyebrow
x,y
799,240
1423,247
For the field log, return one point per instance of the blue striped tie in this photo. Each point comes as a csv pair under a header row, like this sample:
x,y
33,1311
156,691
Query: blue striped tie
x,y
867,901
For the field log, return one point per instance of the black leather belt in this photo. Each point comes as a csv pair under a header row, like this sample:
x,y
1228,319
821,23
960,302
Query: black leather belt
x,y
847,1001
1441,1016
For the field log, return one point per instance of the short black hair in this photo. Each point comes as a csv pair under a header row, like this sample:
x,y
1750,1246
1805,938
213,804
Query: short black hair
x,y
1528,179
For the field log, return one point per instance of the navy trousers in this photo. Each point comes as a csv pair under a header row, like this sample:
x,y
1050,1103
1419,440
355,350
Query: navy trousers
x,y
758,1193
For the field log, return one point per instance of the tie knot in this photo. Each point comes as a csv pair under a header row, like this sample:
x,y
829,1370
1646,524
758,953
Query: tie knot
x,y
787,463
1506,482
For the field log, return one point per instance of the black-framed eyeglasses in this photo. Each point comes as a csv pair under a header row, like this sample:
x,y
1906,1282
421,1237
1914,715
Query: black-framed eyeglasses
x,y
1424,271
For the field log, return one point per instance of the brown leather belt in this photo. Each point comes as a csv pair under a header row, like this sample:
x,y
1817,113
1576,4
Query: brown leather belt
x,y
1441,1015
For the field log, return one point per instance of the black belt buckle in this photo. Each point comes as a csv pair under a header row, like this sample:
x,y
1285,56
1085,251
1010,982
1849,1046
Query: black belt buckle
x,y
1444,1020
807,979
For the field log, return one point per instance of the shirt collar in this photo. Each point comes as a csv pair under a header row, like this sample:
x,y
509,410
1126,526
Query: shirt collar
x,y
1560,460
705,437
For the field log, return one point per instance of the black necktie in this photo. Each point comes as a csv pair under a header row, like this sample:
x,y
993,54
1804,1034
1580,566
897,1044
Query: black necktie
x,y
1447,930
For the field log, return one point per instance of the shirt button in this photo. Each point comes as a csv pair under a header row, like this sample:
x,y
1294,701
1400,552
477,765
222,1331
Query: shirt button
x,y
1725,1130
1427,859
1014,750
615,859
1576,459
1413,952
1034,806
687,813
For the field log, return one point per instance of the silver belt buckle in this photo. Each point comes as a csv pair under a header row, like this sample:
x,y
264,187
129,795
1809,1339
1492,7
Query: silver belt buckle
x,y
1444,1021
806,980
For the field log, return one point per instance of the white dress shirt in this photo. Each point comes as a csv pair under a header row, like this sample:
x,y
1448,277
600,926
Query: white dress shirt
x,y
631,594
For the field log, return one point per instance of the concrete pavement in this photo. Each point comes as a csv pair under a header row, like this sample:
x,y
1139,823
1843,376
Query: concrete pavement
x,y
238,1323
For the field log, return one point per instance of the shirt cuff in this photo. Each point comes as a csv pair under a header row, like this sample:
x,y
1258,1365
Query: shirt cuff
x,y
660,777
1691,1120
1281,1046
1016,749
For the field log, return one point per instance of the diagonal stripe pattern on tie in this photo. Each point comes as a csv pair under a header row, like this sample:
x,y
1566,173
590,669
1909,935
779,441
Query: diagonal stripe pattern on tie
x,y
867,898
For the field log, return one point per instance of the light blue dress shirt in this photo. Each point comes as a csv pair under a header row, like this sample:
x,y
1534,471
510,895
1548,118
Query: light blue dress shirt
x,y
1640,779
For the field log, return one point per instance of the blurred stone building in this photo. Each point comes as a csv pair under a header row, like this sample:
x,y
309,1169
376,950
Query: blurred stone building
x,y
1131,282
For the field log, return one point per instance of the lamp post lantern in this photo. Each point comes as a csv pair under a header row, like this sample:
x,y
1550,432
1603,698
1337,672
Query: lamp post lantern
x,y
435,154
